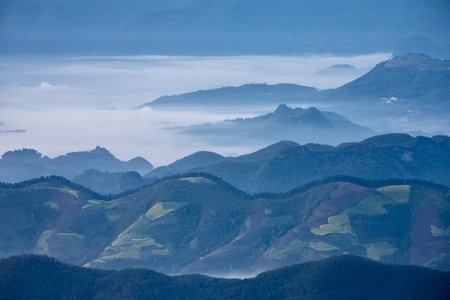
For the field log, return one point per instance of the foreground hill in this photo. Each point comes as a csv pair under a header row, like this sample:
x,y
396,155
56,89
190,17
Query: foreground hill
x,y
200,224
286,165
297,124
344,277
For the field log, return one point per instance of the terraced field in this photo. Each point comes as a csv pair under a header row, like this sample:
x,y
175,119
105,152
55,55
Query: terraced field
x,y
199,224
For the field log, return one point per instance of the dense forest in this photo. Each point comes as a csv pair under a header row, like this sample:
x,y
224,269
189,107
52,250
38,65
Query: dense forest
x,y
343,277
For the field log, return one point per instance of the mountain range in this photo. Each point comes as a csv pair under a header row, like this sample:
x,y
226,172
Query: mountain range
x,y
408,77
276,168
344,277
279,167
287,165
201,27
408,92
247,94
310,125
198,223
24,164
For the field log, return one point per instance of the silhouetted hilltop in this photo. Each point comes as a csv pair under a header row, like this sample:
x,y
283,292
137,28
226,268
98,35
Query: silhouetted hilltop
x,y
344,277
287,165
24,164
409,76
296,124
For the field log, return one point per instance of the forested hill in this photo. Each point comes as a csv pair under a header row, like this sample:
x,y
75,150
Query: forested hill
x,y
343,277
287,165
198,223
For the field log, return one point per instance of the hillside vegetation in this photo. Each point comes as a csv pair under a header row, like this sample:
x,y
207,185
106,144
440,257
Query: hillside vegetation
x,y
344,277
200,224
287,165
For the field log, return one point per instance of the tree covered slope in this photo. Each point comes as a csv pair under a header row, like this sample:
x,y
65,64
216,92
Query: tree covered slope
x,y
343,277
201,224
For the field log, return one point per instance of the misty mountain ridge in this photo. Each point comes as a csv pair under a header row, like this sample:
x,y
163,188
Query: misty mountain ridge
x,y
200,224
296,124
409,76
341,69
407,93
279,167
19,165
286,165
247,94
107,183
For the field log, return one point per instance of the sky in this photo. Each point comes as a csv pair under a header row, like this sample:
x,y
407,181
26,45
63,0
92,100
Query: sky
x,y
67,104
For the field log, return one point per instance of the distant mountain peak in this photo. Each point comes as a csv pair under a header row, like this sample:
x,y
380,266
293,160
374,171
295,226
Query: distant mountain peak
x,y
310,116
99,150
28,163
418,61
22,154
312,110
282,108
410,76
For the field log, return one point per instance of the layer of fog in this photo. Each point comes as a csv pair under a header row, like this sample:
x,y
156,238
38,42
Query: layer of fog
x,y
60,105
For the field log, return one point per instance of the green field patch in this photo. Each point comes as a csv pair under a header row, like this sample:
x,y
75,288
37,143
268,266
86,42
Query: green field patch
x,y
42,244
131,232
60,189
133,240
375,251
398,193
193,244
167,220
438,260
112,216
160,209
123,253
131,246
92,202
371,205
336,224
322,246
436,231
197,180
70,234
161,251
52,205
144,241
294,246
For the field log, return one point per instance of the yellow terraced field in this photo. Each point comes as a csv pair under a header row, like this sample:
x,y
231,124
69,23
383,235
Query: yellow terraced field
x,y
398,193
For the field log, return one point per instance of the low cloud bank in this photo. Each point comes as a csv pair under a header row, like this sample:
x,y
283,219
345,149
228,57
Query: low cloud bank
x,y
74,104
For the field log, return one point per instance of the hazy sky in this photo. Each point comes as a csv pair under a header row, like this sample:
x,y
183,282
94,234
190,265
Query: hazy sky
x,y
65,104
